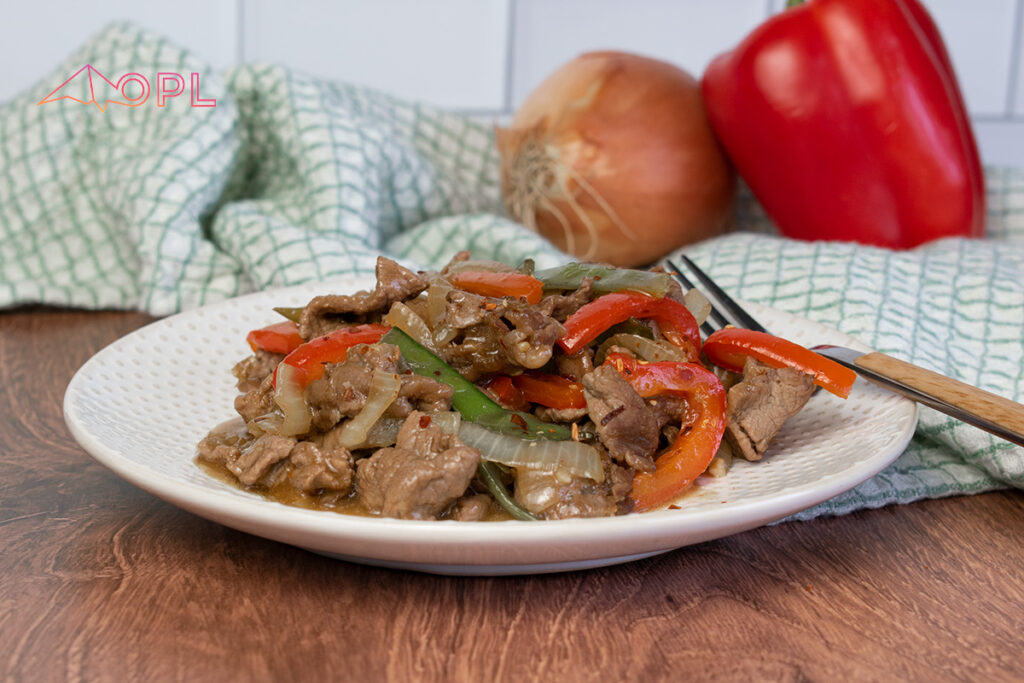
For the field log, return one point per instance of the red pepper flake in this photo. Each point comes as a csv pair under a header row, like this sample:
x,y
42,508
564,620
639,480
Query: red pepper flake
x,y
674,507
519,421
490,306
424,421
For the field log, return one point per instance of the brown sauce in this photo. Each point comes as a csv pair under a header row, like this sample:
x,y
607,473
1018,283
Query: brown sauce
x,y
327,501
289,495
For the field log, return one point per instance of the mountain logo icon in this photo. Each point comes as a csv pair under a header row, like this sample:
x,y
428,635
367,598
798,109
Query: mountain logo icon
x,y
89,86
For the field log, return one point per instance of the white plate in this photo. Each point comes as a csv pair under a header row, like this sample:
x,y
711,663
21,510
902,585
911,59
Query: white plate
x,y
142,404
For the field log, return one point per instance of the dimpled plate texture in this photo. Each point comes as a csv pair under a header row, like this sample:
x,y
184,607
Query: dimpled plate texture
x,y
142,404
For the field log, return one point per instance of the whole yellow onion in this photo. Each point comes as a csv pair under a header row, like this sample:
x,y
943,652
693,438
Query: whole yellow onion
x,y
612,158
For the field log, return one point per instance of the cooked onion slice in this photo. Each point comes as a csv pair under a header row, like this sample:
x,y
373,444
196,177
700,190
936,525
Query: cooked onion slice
x,y
573,457
406,319
698,305
437,309
645,349
449,422
288,397
384,431
384,388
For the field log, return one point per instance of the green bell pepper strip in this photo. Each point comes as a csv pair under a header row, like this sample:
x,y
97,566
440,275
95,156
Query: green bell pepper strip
x,y
605,278
293,314
468,399
476,406
488,473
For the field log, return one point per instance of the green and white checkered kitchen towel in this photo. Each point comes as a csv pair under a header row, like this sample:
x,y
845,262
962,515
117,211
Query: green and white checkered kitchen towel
x,y
291,179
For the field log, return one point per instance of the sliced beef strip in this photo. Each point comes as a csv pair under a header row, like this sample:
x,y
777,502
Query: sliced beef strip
x,y
561,306
498,335
530,342
323,466
257,460
464,261
473,508
224,443
421,393
465,309
342,390
253,370
420,476
560,414
575,366
216,452
340,393
327,313
478,353
669,411
459,257
761,403
257,402
625,423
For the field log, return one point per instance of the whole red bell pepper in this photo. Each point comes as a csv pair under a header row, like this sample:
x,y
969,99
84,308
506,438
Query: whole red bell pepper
x,y
845,119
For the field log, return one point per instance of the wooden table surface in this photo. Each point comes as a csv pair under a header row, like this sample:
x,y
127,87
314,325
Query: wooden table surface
x,y
101,581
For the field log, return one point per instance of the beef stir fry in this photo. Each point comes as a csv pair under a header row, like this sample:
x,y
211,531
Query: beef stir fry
x,y
487,392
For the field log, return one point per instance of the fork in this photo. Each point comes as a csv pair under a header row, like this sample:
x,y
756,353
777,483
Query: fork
x,y
995,414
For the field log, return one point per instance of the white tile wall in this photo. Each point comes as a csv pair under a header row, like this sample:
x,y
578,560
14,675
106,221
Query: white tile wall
x,y
36,36
690,34
451,53
484,56
980,38
1017,65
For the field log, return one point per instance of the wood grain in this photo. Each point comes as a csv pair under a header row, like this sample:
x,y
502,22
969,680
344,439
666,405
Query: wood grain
x,y
1002,411
100,581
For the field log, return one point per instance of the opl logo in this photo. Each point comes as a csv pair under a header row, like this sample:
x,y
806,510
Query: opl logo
x,y
89,86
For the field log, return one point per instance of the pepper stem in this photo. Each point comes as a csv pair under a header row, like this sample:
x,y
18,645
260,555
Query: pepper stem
x,y
793,3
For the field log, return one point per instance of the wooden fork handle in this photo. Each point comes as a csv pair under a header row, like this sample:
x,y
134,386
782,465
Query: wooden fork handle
x,y
981,408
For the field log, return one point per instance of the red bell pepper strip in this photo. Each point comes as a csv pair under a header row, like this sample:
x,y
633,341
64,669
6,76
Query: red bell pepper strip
x,y
502,390
698,441
552,391
282,337
674,320
485,283
846,120
729,347
309,359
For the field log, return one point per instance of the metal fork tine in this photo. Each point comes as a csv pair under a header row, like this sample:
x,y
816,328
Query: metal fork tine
x,y
715,319
743,318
